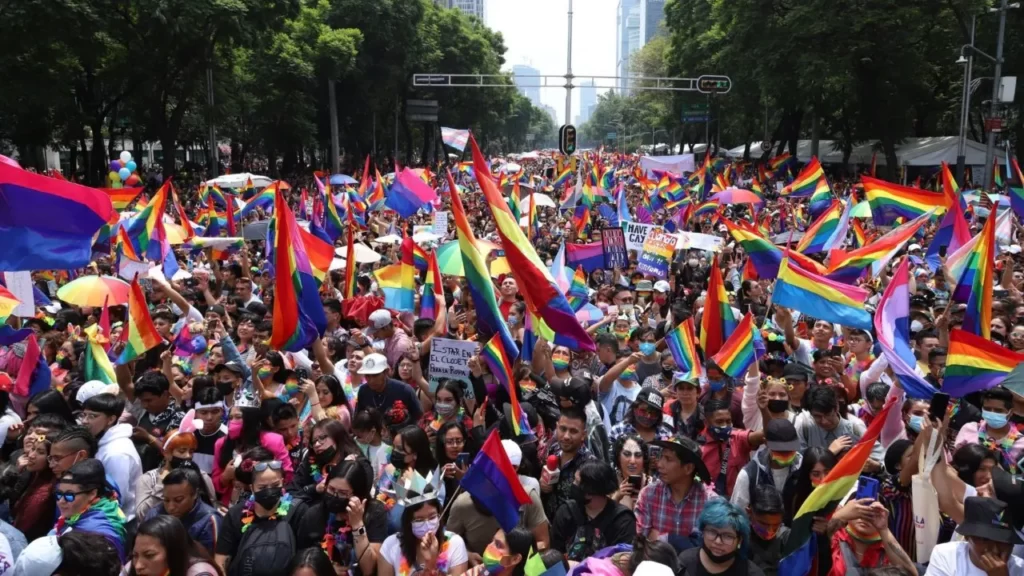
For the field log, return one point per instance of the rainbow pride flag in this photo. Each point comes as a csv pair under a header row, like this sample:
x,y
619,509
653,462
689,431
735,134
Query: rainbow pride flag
x,y
536,285
500,360
121,198
207,192
976,363
320,253
398,281
1016,193
140,333
766,257
821,297
265,199
807,181
718,319
432,302
821,197
682,343
847,267
974,286
298,314
481,289
146,228
821,236
891,201
8,302
249,190
738,353
562,178
96,364
577,295
349,290
860,237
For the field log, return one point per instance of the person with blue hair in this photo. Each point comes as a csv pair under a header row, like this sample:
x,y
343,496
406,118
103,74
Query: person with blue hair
x,y
724,540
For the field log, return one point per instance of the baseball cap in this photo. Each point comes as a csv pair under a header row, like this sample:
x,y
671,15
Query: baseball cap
x,y
644,286
662,286
914,247
379,318
374,364
232,365
41,556
513,451
90,389
685,378
780,435
652,398
796,371
688,452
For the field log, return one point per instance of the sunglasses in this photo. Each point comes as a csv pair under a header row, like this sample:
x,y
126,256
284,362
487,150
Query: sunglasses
x,y
262,466
66,496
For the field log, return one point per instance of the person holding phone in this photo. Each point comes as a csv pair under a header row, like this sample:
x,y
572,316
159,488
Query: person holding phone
x,y
631,462
452,446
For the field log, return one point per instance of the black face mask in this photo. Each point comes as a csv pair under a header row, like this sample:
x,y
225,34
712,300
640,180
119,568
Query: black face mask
x,y
778,406
398,459
718,559
268,497
335,504
178,462
326,456
226,388
65,364
667,373
577,495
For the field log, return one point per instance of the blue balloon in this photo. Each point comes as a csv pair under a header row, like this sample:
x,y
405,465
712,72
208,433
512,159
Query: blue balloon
x,y
131,166
124,173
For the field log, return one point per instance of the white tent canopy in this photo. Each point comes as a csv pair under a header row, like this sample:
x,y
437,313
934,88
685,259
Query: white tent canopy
x,y
931,151
238,180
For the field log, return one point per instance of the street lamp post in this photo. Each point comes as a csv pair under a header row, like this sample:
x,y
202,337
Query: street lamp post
x,y
965,107
991,144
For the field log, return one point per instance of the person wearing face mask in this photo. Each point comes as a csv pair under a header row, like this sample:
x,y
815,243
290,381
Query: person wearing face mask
x,y
590,520
329,444
724,536
645,418
721,387
764,399
650,364
726,450
663,379
768,535
995,431
506,554
100,415
448,408
661,303
245,432
86,503
184,498
420,544
771,465
257,534
914,413
348,525
687,413
368,431
230,376
178,449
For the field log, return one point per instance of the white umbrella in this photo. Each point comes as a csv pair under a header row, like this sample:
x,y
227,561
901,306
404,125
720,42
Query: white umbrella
x,y
337,264
364,254
238,180
510,168
424,237
387,239
540,199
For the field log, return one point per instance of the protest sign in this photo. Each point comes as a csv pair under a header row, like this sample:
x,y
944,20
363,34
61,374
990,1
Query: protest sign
x,y
695,241
450,358
19,284
636,233
614,240
657,254
441,224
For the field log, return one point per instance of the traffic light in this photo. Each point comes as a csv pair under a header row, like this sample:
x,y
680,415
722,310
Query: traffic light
x,y
714,84
567,139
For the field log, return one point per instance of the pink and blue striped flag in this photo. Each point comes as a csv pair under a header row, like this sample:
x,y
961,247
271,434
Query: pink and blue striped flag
x,y
892,325
589,256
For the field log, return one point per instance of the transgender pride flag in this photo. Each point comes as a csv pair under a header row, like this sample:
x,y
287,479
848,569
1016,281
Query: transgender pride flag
x,y
455,138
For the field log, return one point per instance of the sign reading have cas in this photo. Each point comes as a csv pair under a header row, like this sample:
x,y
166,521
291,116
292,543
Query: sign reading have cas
x,y
636,234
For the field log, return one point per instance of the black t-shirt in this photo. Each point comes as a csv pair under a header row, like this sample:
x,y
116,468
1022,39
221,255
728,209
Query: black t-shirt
x,y
580,537
397,402
690,565
313,523
230,535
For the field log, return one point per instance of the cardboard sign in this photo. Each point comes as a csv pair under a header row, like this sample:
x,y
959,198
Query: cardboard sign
x,y
441,224
19,284
694,240
636,234
656,256
450,358
615,255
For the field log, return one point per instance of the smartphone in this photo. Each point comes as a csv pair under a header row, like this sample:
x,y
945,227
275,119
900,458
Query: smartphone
x,y
462,460
867,487
939,404
837,351
302,373
635,481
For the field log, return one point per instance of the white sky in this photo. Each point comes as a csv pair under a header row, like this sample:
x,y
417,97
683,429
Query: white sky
x,y
535,34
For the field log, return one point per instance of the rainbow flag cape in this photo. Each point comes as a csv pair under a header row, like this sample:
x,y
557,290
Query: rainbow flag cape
x,y
974,286
298,314
398,281
847,267
821,236
349,290
577,295
737,353
799,553
976,363
805,182
682,343
490,320
891,201
432,302
146,228
718,319
140,334
821,297
538,289
121,198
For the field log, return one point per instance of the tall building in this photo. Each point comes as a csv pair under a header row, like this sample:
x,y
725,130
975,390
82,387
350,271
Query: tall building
x,y
636,23
555,116
470,7
529,87
588,100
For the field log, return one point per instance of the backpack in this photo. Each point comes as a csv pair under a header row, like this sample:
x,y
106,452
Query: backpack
x,y
266,549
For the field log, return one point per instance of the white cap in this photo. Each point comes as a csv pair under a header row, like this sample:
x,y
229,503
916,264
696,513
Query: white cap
x,y
374,364
380,318
90,389
662,286
649,568
913,247
1014,249
41,556
513,451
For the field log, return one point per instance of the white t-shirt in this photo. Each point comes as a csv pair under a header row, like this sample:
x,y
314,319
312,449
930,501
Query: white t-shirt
x,y
391,551
953,559
6,557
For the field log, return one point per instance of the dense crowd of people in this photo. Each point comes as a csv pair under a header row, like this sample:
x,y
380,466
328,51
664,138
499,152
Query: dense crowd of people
x,y
215,454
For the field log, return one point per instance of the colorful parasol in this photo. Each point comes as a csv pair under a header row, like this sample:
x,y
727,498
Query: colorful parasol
x,y
94,291
737,196
449,259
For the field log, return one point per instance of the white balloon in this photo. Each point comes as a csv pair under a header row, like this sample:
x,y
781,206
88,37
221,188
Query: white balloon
x,y
125,156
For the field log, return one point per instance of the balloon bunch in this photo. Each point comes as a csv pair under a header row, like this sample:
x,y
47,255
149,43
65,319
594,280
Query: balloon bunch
x,y
122,171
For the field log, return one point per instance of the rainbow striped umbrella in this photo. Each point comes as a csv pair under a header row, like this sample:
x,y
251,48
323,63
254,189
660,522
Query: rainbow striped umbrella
x,y
94,291
449,259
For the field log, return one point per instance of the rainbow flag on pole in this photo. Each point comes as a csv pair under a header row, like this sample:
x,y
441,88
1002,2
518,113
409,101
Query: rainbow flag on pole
x,y
140,333
821,236
121,198
146,228
398,281
974,286
541,295
821,297
682,343
976,363
890,201
718,319
500,360
807,181
432,303
821,197
738,353
847,267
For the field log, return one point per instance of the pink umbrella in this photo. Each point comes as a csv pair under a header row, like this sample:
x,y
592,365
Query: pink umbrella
x,y
737,196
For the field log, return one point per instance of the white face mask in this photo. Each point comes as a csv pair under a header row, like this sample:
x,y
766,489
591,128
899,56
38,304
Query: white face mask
x,y
692,262
379,345
916,326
